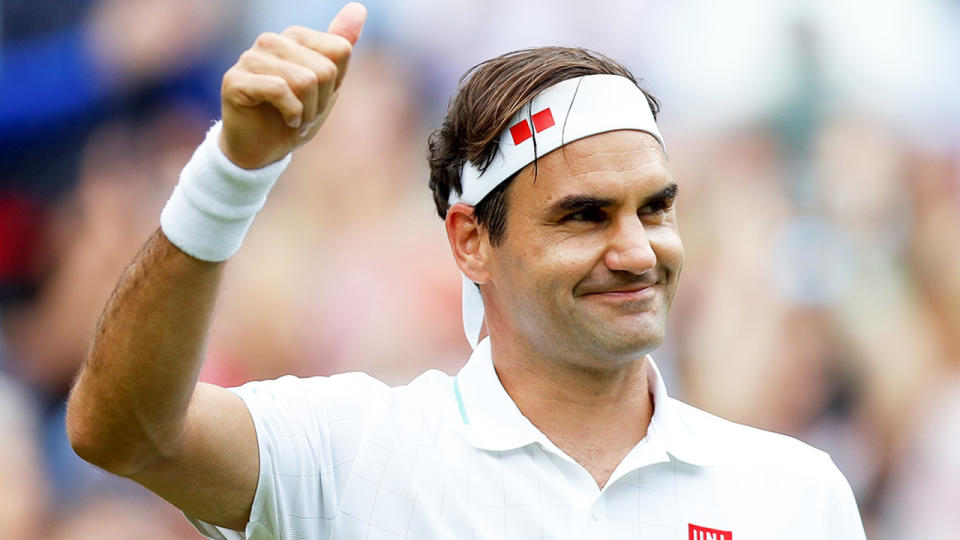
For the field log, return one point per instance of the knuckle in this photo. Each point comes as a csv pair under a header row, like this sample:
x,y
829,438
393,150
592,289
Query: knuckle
x,y
247,58
327,71
229,81
268,41
340,48
303,80
295,31
276,88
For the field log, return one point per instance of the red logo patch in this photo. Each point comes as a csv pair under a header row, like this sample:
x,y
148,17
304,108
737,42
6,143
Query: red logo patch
x,y
705,533
541,121
520,131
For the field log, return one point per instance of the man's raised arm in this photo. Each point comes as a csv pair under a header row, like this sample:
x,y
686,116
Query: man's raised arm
x,y
136,409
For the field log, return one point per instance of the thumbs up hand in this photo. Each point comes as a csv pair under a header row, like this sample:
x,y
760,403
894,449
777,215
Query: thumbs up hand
x,y
281,89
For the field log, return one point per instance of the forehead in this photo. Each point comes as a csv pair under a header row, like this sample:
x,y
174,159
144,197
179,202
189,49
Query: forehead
x,y
617,163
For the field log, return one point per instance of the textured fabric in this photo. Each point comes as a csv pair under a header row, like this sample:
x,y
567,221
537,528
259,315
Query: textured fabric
x,y
346,457
214,202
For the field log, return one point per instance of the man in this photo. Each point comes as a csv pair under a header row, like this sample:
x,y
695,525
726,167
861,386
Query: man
x,y
552,179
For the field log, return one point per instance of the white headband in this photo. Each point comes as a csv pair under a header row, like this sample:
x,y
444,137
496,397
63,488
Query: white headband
x,y
567,111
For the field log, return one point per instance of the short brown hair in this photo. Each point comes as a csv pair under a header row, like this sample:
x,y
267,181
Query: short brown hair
x,y
490,94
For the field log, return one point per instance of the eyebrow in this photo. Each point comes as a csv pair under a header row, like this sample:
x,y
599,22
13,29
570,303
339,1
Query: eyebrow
x,y
573,203
665,194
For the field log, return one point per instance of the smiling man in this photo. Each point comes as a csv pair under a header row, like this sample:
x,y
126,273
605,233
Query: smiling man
x,y
558,201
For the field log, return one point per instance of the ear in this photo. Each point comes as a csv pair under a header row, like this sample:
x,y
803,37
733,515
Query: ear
x,y
469,244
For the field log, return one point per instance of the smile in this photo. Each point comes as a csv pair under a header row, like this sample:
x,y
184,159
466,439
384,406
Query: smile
x,y
627,295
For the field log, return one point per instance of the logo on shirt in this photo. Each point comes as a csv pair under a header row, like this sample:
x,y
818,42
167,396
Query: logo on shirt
x,y
705,533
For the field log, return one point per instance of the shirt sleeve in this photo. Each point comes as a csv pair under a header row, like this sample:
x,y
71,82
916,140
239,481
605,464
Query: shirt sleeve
x,y
308,434
842,517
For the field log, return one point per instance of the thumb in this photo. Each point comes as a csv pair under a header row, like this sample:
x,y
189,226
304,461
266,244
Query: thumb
x,y
349,22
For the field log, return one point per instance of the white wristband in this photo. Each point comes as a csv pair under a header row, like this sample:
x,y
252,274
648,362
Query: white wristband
x,y
215,201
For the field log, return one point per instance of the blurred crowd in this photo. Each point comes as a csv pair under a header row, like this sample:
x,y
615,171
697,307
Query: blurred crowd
x,y
816,144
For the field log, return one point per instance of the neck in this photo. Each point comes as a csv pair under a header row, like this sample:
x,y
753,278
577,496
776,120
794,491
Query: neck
x,y
595,415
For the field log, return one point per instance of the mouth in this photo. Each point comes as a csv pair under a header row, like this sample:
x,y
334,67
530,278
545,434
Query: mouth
x,y
629,293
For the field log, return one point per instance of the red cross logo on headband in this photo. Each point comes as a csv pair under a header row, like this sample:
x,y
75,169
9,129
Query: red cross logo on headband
x,y
541,121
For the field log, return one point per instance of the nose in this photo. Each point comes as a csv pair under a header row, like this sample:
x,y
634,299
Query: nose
x,y
629,248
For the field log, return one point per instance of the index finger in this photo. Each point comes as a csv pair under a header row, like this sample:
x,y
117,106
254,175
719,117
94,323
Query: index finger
x,y
334,47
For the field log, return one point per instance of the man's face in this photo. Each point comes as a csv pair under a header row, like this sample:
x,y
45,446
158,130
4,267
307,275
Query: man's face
x,y
589,263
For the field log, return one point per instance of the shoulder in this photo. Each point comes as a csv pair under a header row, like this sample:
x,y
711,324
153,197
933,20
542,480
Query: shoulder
x,y
786,476
291,385
429,399
347,395
309,393
756,448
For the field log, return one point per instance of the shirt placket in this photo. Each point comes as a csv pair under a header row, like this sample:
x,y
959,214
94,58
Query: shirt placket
x,y
590,519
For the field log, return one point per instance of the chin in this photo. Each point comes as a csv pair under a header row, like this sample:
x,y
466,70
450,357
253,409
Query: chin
x,y
628,345
622,334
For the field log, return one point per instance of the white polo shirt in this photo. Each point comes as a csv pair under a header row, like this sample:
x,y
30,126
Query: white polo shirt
x,y
347,457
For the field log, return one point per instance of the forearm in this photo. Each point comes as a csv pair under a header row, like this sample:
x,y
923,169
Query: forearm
x,y
136,408
129,404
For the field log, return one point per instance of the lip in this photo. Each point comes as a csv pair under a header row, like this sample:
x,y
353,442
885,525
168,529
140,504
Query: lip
x,y
633,293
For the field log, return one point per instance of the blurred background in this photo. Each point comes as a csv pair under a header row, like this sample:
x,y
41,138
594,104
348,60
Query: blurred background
x,y
817,145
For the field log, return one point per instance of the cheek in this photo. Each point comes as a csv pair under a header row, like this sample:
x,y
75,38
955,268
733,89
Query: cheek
x,y
570,260
666,243
551,268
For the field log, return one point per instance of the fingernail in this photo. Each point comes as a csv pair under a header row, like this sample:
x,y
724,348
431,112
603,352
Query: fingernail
x,y
295,123
306,129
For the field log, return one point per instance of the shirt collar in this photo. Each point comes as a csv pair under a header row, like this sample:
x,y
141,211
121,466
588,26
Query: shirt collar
x,y
669,425
493,421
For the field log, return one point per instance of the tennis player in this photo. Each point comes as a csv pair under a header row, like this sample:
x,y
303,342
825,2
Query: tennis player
x,y
558,201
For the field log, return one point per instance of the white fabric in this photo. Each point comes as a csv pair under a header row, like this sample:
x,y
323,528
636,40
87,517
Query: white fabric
x,y
579,107
472,308
346,457
214,203
575,108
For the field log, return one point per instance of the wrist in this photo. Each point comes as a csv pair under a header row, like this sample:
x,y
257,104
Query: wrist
x,y
214,203
244,162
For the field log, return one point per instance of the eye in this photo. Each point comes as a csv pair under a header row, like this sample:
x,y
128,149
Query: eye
x,y
592,214
657,207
